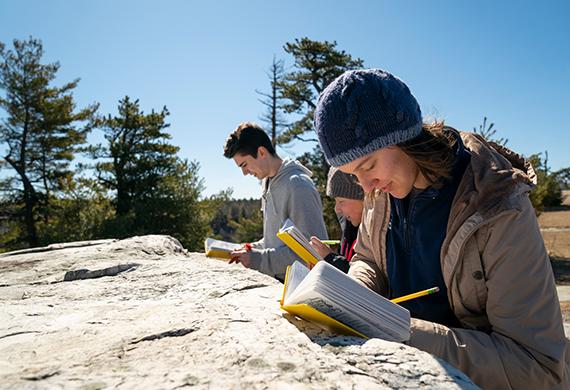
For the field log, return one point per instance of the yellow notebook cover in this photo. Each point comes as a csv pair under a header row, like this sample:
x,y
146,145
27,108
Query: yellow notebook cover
x,y
220,254
311,314
297,248
285,285
218,248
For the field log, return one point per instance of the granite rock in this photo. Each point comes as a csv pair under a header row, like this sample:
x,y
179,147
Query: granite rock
x,y
143,312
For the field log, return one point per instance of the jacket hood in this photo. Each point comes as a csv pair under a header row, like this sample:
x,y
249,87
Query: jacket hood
x,y
494,179
496,170
289,167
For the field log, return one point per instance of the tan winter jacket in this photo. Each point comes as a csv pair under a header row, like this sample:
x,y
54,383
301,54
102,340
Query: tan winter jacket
x,y
499,279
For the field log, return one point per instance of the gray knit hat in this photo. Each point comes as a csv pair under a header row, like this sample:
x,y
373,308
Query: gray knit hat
x,y
343,185
362,111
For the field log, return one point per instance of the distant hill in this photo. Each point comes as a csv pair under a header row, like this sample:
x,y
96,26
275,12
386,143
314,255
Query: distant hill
x,y
236,210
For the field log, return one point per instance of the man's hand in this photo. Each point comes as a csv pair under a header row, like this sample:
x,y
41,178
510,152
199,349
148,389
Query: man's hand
x,y
322,249
241,256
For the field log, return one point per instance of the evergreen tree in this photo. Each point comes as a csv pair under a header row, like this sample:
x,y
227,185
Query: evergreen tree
x,y
547,192
273,117
80,211
174,207
248,229
41,132
137,154
155,192
316,65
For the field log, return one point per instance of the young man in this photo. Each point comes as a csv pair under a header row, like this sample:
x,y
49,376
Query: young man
x,y
288,192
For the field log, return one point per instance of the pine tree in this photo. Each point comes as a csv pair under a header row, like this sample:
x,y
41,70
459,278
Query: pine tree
x,y
137,154
41,132
273,116
316,65
155,192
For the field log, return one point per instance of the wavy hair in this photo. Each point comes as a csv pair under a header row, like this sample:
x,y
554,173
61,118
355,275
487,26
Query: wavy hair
x,y
433,151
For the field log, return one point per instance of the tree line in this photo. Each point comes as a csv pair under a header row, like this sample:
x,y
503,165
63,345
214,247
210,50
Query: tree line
x,y
134,182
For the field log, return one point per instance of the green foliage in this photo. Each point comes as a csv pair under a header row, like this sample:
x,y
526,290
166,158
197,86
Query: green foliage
x,y
174,208
137,155
155,192
234,215
248,229
547,192
211,207
10,226
78,213
316,65
41,131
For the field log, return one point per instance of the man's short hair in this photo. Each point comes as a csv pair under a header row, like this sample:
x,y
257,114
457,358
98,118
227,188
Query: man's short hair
x,y
246,139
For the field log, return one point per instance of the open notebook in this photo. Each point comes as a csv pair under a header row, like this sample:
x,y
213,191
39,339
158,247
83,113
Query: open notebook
x,y
218,248
333,300
298,243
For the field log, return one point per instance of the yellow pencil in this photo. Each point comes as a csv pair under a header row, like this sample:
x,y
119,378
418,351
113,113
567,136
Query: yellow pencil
x,y
418,294
331,242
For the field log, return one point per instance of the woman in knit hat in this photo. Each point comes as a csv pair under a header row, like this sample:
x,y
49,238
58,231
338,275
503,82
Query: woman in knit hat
x,y
451,210
348,197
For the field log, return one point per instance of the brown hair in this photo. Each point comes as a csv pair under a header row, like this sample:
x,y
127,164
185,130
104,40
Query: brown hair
x,y
433,151
246,139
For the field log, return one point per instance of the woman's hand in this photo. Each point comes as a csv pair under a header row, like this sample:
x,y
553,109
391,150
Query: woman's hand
x,y
322,249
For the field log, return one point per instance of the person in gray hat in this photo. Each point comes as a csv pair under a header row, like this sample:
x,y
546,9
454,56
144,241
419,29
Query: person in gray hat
x,y
349,200
447,209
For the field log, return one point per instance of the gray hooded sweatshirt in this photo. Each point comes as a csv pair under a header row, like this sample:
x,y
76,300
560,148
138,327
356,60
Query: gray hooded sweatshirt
x,y
289,194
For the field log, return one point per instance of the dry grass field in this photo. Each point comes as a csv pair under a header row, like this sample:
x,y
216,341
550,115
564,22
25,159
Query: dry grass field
x,y
556,218
555,227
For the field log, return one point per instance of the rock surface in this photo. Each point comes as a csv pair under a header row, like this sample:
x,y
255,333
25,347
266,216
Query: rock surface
x,y
143,312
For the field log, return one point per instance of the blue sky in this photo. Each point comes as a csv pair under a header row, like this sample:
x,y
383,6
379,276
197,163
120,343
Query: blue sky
x,y
508,60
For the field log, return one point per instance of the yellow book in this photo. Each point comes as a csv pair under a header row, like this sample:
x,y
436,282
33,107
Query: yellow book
x,y
332,300
218,248
310,314
294,239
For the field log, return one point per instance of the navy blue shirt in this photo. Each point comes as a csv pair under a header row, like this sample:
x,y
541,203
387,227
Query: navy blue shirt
x,y
416,232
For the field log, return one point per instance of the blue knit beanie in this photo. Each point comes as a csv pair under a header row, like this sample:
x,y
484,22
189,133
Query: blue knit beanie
x,y
362,111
